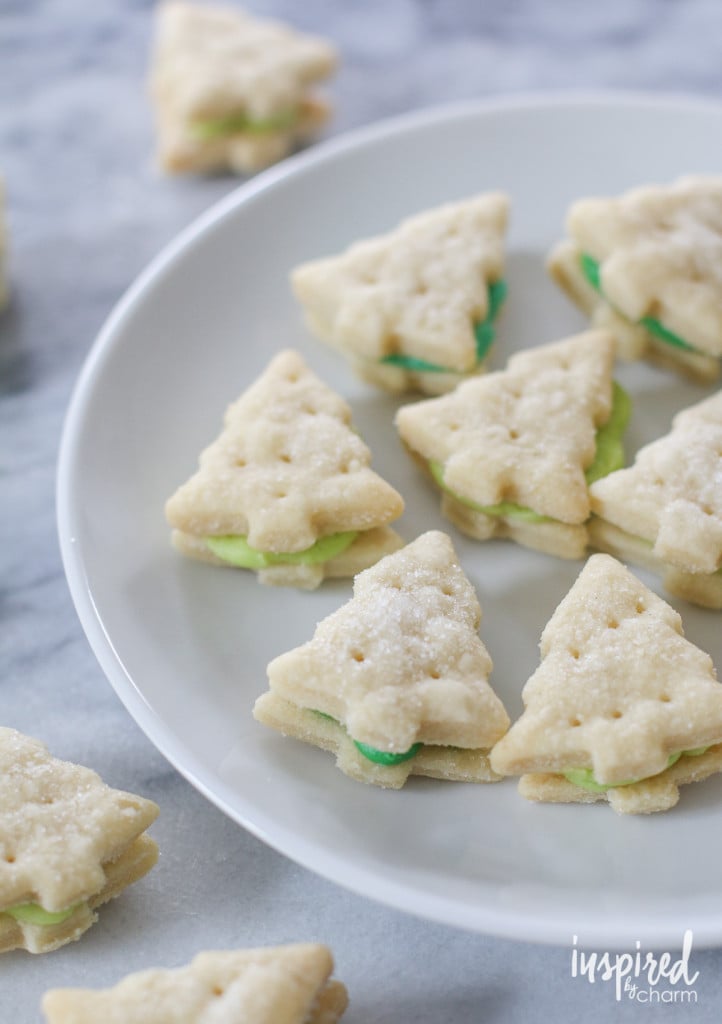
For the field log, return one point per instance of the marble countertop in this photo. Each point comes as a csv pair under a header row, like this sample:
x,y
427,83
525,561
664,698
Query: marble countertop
x,y
86,211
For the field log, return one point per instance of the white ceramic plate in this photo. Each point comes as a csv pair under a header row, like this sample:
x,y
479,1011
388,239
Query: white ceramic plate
x,y
186,645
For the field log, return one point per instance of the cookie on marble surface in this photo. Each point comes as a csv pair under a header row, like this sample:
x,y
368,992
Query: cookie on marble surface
x,y
513,452
622,708
287,489
414,310
647,265
665,511
68,843
273,985
232,91
395,683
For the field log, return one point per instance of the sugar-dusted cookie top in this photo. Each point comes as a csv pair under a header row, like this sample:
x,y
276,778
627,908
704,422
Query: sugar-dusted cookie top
x,y
672,495
619,688
59,824
659,251
287,469
281,985
418,291
525,434
215,60
402,662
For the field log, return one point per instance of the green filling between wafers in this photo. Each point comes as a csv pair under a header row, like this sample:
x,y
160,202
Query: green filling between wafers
x,y
609,456
483,331
591,271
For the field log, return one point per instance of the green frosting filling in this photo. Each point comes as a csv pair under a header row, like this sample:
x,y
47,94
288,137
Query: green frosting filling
x,y
383,757
590,269
33,913
504,508
584,777
609,456
220,127
239,552
484,332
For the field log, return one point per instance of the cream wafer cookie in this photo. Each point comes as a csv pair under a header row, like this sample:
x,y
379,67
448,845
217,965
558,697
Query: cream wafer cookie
x,y
232,91
287,489
274,985
513,452
647,265
665,511
68,843
395,682
622,707
414,309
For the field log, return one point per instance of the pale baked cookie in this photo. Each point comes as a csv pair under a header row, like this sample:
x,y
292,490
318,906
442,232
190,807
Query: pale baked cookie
x,y
513,452
414,310
68,843
665,511
286,489
281,985
231,91
622,707
395,683
648,266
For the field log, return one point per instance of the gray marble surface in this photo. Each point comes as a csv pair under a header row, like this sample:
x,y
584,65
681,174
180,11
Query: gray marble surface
x,y
86,211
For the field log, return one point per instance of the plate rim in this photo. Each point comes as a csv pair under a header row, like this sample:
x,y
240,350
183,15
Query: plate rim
x,y
608,930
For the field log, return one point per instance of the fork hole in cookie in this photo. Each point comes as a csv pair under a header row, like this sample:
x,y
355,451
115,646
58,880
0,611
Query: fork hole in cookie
x,y
9,858
284,457
575,722
434,674
217,990
513,435
240,463
664,698
574,653
617,714
612,624
358,656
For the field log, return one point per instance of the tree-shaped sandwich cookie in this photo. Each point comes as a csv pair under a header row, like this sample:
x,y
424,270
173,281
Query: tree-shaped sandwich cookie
x,y
233,92
665,511
68,843
622,708
648,266
286,489
273,985
396,681
513,452
414,310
